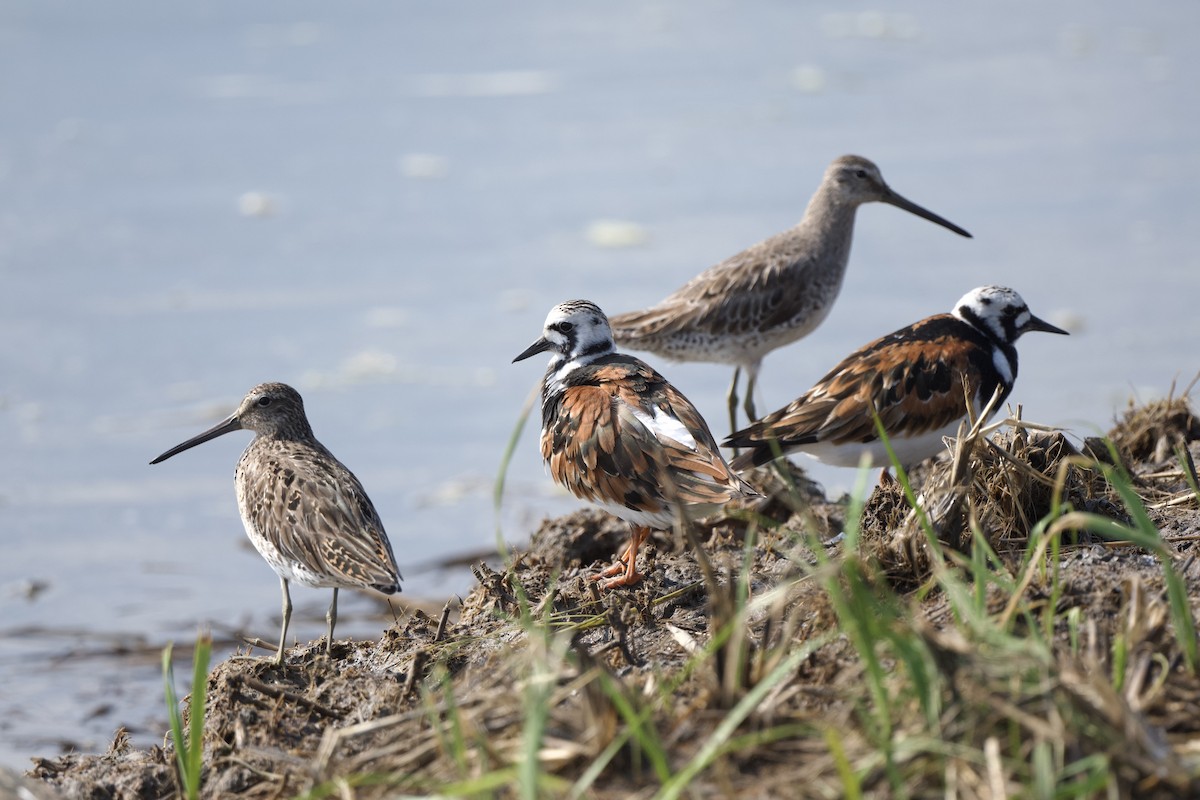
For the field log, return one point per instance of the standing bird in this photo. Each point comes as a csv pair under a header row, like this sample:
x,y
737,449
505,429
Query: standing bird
x,y
616,434
770,294
913,379
304,512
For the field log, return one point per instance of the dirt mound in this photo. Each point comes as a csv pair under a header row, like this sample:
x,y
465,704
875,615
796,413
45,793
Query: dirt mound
x,y
1012,648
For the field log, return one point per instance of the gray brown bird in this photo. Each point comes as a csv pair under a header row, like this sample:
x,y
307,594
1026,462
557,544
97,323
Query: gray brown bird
x,y
304,512
770,294
617,434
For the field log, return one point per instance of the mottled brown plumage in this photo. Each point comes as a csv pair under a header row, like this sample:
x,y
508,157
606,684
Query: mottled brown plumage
x,y
303,510
914,379
617,434
771,294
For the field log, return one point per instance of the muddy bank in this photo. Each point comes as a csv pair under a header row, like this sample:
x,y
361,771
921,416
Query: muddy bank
x,y
776,661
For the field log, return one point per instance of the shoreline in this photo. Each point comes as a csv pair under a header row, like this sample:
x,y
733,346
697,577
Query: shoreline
x,y
793,663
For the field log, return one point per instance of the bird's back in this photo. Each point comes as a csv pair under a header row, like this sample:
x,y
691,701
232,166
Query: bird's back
x,y
768,295
916,379
310,517
619,433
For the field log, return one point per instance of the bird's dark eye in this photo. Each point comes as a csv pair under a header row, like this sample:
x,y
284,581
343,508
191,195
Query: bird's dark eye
x,y
263,401
566,327
860,173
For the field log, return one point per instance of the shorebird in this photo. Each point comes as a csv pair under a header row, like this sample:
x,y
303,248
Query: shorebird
x,y
917,380
617,434
770,294
304,512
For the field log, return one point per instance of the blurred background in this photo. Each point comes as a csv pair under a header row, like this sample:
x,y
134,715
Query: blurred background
x,y
378,203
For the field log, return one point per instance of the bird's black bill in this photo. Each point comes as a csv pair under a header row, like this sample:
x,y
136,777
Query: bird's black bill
x,y
221,428
540,346
1036,324
900,202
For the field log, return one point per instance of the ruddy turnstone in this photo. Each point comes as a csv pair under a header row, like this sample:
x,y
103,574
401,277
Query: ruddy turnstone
x,y
616,434
770,294
913,378
304,512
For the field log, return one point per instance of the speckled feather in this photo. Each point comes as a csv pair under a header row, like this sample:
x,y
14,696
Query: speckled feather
x,y
304,512
918,379
599,450
775,290
616,434
772,293
913,378
310,517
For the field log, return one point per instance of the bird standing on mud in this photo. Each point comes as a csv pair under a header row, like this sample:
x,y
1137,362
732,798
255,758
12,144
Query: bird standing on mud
x,y
771,294
617,434
919,380
304,512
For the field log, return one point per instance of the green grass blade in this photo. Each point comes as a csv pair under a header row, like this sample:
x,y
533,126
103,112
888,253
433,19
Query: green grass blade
x,y
505,461
196,712
189,749
725,729
174,717
851,786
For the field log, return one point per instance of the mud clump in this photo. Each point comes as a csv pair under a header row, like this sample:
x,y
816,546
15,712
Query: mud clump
x,y
765,662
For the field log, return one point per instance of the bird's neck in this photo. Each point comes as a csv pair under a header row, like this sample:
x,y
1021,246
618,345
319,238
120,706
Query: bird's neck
x,y
1004,356
562,366
829,224
291,433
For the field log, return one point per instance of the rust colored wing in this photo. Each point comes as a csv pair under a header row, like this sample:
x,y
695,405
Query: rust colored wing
x,y
913,379
609,440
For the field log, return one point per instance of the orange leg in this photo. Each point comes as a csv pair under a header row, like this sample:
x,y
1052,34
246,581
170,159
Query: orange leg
x,y
626,562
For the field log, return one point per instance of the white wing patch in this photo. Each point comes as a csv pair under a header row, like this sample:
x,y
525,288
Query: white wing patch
x,y
664,426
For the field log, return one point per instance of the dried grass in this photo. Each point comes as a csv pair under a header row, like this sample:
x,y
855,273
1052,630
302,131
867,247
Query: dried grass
x,y
992,658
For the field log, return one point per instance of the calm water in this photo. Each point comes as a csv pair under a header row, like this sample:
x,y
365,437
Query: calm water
x,y
378,203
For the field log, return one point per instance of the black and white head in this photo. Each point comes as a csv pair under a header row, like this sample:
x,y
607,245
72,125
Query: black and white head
x,y
856,180
1001,314
274,410
575,331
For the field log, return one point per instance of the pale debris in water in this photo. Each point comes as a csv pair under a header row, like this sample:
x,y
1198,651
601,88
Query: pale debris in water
x,y
452,492
374,366
616,233
1075,41
367,364
423,165
1068,319
386,317
870,25
809,79
486,84
256,204
295,34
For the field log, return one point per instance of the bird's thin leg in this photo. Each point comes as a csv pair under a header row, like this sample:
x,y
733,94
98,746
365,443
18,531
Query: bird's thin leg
x,y
631,576
331,617
751,383
287,617
732,398
617,566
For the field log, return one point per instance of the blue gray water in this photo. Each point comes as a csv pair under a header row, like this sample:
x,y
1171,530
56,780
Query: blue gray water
x,y
378,203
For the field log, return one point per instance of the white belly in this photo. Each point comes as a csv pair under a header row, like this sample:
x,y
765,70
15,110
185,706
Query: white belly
x,y
909,450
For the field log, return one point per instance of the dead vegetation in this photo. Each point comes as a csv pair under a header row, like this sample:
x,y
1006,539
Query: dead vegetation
x,y
1010,642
